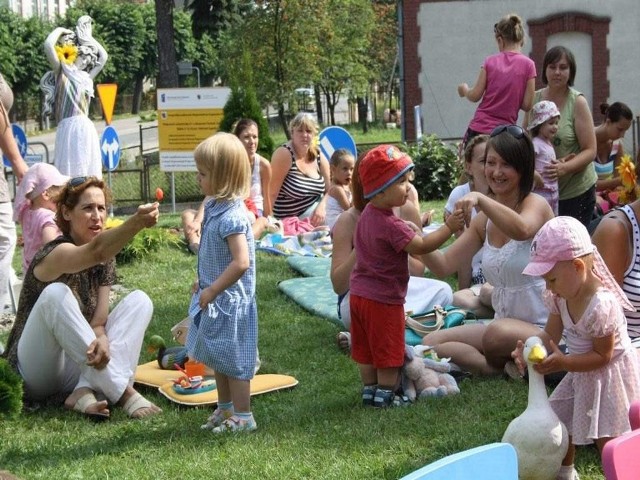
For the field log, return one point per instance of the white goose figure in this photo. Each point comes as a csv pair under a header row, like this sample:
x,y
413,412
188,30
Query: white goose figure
x,y
538,435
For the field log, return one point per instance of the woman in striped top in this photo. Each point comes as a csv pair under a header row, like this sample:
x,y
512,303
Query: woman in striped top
x,y
617,238
75,59
300,176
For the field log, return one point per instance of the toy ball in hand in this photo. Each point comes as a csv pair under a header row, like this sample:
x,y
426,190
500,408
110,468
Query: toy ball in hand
x,y
159,194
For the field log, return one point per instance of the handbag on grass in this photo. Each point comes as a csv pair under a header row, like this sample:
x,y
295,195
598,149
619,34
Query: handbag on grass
x,y
433,320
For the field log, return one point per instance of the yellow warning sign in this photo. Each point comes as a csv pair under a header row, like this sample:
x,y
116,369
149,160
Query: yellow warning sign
x,y
107,94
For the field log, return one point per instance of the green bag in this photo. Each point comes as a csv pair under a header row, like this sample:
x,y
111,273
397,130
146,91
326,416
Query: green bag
x,y
440,317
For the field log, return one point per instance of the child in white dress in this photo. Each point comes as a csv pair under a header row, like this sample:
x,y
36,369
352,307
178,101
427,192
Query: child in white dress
x,y
586,305
341,166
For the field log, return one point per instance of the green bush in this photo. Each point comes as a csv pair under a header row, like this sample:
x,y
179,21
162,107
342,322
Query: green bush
x,y
437,167
243,103
147,241
10,391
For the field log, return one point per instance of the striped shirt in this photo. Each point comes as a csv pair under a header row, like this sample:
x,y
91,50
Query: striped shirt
x,y
631,282
298,191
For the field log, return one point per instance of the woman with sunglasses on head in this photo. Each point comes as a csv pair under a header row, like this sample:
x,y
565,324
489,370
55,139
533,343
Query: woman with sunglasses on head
x,y
507,218
65,343
575,141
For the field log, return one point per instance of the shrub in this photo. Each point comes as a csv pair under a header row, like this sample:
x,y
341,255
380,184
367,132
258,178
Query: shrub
x,y
10,391
147,241
243,103
437,167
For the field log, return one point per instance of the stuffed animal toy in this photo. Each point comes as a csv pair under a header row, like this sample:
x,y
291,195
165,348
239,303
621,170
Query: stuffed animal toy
x,y
424,377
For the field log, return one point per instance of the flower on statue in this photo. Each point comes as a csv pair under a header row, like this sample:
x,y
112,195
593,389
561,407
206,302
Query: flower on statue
x,y
67,53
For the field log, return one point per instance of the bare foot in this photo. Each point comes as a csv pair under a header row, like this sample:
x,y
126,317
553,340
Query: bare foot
x,y
136,405
84,401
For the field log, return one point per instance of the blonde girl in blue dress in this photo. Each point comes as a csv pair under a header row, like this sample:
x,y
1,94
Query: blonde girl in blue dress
x,y
224,329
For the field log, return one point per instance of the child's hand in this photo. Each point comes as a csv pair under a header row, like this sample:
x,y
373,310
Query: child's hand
x,y
554,361
195,286
467,204
206,297
455,222
518,357
463,88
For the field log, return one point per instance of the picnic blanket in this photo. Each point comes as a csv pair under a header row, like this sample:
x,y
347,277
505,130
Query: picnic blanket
x,y
312,244
310,266
150,374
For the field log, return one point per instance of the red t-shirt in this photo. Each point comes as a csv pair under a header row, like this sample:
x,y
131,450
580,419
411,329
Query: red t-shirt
x,y
381,272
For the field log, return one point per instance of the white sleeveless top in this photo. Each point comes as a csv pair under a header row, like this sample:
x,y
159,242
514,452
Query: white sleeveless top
x,y
256,185
514,295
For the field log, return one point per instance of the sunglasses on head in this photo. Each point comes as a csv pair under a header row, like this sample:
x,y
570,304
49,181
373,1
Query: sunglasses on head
x,y
77,181
514,130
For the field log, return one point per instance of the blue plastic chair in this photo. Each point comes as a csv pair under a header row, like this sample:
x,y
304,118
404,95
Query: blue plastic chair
x,y
496,461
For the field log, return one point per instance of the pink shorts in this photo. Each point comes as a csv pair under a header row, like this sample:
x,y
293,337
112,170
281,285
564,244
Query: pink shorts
x,y
377,333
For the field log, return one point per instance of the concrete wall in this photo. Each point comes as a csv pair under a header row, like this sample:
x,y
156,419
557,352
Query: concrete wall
x,y
445,42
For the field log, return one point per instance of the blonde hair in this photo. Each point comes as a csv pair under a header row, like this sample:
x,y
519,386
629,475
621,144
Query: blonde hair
x,y
224,159
510,28
308,122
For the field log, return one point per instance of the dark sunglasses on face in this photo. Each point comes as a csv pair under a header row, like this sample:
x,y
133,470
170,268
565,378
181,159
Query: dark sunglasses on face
x,y
514,130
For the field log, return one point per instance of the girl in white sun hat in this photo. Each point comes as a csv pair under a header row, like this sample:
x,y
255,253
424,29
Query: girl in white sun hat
x,y
543,127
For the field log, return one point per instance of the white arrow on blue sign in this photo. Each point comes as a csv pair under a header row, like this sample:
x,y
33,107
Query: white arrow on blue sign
x,y
334,138
21,140
110,148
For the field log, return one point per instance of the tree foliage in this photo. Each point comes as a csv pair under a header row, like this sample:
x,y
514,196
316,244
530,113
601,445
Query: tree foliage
x,y
243,103
343,59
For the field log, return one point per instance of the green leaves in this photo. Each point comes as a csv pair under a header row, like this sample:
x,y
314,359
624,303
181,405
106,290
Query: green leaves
x,y
437,168
147,241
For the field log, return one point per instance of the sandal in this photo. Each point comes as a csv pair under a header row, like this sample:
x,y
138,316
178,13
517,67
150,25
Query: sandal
x,y
217,418
84,402
137,402
234,424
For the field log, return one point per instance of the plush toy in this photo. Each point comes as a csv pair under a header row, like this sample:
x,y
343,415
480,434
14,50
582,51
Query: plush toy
x,y
425,377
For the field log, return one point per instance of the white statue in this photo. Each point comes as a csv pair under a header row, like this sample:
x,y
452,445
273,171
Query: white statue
x,y
75,59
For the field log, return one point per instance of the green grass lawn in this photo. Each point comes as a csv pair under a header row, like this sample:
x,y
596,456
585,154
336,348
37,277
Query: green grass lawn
x,y
317,430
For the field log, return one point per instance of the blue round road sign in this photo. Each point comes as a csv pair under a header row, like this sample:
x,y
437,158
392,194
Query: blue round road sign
x,y
335,138
110,148
21,140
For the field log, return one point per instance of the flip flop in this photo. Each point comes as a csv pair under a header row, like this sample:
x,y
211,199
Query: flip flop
x,y
84,402
134,403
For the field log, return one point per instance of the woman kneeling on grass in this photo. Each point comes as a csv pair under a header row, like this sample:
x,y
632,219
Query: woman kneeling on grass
x,y
64,341
508,218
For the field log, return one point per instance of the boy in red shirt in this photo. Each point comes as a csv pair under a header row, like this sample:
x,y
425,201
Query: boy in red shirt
x,y
379,279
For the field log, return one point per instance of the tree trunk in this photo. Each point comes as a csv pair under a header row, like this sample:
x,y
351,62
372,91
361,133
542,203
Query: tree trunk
x,y
363,110
167,66
137,95
283,120
319,114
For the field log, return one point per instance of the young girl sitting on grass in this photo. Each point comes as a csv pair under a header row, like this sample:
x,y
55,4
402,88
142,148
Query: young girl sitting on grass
x,y
35,208
341,166
378,284
586,305
224,329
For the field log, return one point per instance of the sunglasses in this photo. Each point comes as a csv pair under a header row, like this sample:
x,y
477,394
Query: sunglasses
x,y
514,130
77,181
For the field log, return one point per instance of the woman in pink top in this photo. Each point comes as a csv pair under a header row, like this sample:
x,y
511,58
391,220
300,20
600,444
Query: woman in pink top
x,y
506,82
